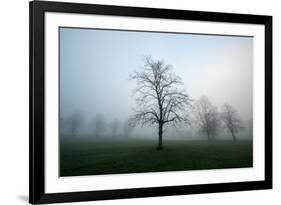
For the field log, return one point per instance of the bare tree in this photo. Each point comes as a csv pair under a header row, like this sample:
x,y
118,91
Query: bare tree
x,y
250,127
127,128
159,100
114,127
215,123
74,123
63,126
206,116
231,120
99,126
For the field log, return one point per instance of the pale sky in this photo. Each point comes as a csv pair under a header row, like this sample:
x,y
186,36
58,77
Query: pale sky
x,y
95,66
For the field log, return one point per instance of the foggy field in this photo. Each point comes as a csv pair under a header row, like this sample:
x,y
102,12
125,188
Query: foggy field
x,y
134,156
163,102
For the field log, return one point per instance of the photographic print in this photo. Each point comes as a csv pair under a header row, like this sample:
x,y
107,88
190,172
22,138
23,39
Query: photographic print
x,y
129,102
137,101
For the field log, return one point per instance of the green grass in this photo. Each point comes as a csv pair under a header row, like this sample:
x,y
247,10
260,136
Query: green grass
x,y
134,156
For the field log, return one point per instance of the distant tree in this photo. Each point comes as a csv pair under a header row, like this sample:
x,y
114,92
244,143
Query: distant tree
x,y
63,126
99,126
207,118
74,123
231,120
215,124
250,127
159,100
128,128
114,127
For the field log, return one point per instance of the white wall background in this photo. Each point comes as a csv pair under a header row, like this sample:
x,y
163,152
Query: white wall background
x,y
14,100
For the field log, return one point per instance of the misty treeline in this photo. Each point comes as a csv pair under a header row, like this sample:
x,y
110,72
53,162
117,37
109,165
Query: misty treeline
x,y
161,103
75,126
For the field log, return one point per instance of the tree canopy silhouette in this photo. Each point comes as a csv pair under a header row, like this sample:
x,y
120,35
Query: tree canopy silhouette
x,y
206,117
159,99
231,120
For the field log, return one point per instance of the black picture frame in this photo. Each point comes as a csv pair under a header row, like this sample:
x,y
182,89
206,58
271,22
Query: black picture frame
x,y
37,10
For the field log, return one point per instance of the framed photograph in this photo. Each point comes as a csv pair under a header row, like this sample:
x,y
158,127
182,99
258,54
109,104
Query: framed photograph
x,y
140,102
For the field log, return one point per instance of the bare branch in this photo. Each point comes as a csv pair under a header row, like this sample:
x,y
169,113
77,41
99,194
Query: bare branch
x,y
231,120
158,98
206,116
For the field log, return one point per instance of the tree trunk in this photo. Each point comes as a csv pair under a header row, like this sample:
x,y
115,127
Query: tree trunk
x,y
208,135
160,133
234,137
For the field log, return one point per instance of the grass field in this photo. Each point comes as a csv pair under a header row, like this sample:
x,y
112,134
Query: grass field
x,y
131,156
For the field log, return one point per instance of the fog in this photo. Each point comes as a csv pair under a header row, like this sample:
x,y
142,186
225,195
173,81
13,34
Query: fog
x,y
96,93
